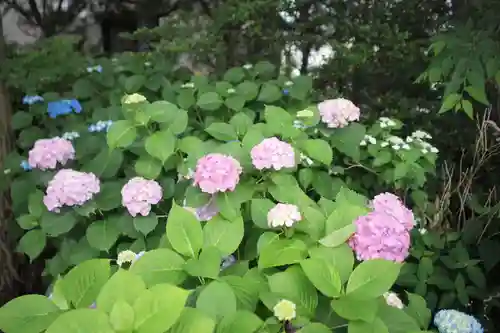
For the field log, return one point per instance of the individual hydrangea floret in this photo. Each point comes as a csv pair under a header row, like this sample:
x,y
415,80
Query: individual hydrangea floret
x,y
368,139
272,153
100,126
380,236
138,194
46,153
63,107
285,310
288,83
70,188
188,85
30,100
418,134
453,321
217,173
337,113
393,300
390,204
97,69
133,99
283,215
227,262
25,165
386,122
248,66
128,256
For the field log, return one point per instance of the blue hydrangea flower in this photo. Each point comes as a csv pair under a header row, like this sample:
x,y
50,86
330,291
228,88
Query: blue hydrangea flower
x,y
29,100
286,92
453,321
25,165
97,69
62,107
227,262
100,126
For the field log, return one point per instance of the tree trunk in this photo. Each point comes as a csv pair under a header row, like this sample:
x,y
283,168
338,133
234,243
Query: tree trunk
x,y
8,273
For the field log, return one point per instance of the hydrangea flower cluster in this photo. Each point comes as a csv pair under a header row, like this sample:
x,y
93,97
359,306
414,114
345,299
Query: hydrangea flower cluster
x,y
285,310
384,233
63,107
273,153
368,139
46,153
138,194
385,122
71,135
128,256
283,215
100,126
70,188
217,173
393,300
337,113
133,99
453,321
30,100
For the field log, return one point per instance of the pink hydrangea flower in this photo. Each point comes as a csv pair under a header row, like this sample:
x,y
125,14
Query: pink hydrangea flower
x,y
217,173
70,188
339,112
138,194
392,205
46,153
273,153
283,215
380,236
206,212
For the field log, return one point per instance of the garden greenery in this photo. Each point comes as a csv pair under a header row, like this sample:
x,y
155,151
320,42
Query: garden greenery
x,y
232,204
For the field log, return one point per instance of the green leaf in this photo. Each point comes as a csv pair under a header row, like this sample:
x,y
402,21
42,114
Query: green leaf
x,y
83,88
28,314
223,234
293,285
314,328
209,101
396,320
217,300
102,235
222,131
161,111
184,231
121,134
21,119
134,83
241,122
282,252
376,326
158,308
82,283
339,236
234,75
32,243
193,321
27,222
180,123
36,206
235,102
160,266
347,139
265,69
105,164
341,257
122,286
372,278
478,93
249,90
148,167
57,224
240,322
278,120
109,197
269,93
417,308
81,320
318,150
160,145
302,86
145,224
449,102
354,309
468,108
323,275
476,275
259,210
122,316
207,265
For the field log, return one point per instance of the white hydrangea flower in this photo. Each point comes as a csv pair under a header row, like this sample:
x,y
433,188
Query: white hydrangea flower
x,y
188,85
384,144
424,151
248,66
231,91
370,139
134,98
409,139
288,83
285,310
396,147
126,256
393,300
386,122
306,160
418,134
283,215
406,146
422,231
434,150
363,143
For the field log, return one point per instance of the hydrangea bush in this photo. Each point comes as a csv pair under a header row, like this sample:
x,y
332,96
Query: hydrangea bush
x,y
233,204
